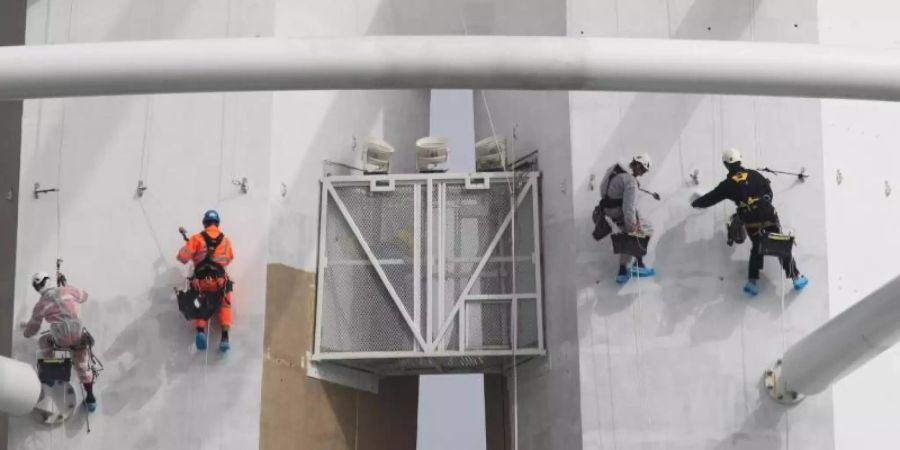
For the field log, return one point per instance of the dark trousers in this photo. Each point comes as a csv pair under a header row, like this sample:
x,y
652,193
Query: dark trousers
x,y
756,258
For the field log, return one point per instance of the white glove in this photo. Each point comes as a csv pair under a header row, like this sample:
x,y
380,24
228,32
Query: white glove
x,y
695,196
23,324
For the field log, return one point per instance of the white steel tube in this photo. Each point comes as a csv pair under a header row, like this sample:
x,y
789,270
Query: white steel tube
x,y
19,387
481,62
841,345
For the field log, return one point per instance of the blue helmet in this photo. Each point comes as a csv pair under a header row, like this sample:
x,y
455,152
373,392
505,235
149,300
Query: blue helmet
x,y
210,217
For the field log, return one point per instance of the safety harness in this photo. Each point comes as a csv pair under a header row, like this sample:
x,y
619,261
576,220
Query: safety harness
x,y
207,268
208,285
608,202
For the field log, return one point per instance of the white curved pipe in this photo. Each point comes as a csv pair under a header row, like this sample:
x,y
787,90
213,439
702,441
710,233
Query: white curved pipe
x,y
477,62
842,344
19,387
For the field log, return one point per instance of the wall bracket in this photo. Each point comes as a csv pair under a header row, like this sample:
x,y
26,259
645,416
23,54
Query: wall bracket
x,y
141,187
777,389
38,191
243,183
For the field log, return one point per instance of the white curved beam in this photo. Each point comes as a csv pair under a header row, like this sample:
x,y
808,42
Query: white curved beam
x,y
839,346
19,387
477,62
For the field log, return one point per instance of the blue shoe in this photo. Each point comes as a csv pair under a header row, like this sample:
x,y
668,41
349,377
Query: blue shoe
x,y
90,402
751,288
200,340
800,282
643,272
622,278
224,346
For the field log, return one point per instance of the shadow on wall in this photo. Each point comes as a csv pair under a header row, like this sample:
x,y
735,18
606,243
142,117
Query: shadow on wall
x,y
141,342
760,428
349,114
668,114
713,318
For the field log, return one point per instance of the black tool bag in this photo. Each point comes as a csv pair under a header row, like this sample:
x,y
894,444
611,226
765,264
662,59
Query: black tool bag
x,y
776,244
194,304
737,233
602,227
626,244
54,369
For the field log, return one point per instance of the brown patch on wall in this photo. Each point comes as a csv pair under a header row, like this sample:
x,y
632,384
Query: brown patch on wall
x,y
299,412
496,412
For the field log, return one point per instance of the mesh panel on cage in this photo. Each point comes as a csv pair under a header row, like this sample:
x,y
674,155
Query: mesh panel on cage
x,y
341,245
488,325
450,339
496,276
473,217
385,220
423,263
527,323
359,315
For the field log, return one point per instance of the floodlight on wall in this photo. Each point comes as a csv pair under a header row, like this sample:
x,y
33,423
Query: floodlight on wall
x,y
377,156
490,154
431,154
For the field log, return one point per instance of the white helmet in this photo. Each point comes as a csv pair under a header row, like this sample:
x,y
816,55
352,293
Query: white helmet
x,y
731,156
40,281
644,160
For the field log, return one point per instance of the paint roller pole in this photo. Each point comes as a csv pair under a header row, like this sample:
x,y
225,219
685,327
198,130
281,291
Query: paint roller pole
x,y
838,347
20,388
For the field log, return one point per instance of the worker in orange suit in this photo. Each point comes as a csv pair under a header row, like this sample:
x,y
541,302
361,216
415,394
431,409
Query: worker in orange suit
x,y
211,252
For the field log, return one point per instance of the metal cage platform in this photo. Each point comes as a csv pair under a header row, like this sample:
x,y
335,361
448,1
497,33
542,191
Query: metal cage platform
x,y
426,273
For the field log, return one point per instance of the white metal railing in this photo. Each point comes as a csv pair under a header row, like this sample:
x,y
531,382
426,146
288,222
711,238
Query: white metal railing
x,y
425,265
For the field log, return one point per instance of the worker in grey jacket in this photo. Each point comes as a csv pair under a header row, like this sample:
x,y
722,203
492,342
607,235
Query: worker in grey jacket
x,y
618,191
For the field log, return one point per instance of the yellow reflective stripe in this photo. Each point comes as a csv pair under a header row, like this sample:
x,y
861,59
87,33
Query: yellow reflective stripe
x,y
750,202
740,177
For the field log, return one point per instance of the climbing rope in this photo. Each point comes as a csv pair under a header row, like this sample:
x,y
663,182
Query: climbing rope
x,y
511,184
787,417
609,374
639,365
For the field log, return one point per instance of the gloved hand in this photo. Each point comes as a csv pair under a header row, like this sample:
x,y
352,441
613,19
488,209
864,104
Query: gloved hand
x,y
23,324
695,196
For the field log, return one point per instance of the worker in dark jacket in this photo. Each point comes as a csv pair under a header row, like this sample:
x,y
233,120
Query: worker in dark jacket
x,y
752,194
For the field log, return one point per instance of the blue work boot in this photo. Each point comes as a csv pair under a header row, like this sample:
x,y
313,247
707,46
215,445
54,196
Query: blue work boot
x,y
90,402
200,340
751,288
800,282
623,276
643,272
224,346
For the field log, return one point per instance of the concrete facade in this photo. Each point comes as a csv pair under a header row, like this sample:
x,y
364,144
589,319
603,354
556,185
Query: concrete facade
x,y
189,150
669,362
860,139
676,361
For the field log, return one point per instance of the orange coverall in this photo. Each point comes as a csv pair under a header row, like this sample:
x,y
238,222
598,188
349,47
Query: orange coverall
x,y
195,250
